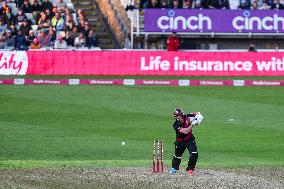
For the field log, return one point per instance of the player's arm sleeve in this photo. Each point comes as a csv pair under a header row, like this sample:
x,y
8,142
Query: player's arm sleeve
x,y
176,127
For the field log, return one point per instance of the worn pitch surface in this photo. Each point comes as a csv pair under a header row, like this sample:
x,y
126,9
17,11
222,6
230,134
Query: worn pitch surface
x,y
141,178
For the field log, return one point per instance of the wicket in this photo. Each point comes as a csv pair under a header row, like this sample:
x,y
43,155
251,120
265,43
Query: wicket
x,y
158,156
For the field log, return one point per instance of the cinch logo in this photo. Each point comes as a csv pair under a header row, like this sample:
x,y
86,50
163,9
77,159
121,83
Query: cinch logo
x,y
172,22
13,62
268,23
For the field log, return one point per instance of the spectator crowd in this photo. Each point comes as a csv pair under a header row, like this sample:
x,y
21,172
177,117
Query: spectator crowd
x,y
213,4
36,24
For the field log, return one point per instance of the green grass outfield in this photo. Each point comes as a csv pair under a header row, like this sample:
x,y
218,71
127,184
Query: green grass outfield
x,y
55,126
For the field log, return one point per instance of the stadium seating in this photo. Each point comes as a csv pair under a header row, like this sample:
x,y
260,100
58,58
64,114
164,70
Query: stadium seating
x,y
211,40
33,19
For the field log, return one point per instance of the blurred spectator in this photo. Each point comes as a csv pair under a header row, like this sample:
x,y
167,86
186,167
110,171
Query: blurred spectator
x,y
47,5
245,4
269,2
44,38
264,5
35,44
20,17
60,5
223,4
43,22
252,48
80,41
69,11
3,44
52,34
13,29
49,14
75,32
86,29
67,14
143,4
3,26
25,27
80,12
70,26
69,22
259,5
153,4
37,9
165,4
176,4
81,16
10,39
19,3
253,5
20,41
187,4
69,40
57,22
91,40
277,5
210,4
234,4
37,6
173,42
203,3
30,37
9,18
26,7
60,43
81,25
197,4
4,8
54,10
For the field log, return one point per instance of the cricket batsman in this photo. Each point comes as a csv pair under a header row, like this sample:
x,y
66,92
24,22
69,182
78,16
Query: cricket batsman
x,y
183,126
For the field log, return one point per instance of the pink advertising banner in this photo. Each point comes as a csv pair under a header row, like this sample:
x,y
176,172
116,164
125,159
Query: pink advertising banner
x,y
142,63
132,82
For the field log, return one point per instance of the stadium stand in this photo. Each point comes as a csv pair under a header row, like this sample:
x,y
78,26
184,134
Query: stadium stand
x,y
97,22
203,40
48,20
240,40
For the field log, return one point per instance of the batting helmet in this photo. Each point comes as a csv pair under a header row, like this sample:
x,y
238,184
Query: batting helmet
x,y
178,112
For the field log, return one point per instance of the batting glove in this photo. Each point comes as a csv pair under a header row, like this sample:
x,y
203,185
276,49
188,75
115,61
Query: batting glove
x,y
194,123
198,118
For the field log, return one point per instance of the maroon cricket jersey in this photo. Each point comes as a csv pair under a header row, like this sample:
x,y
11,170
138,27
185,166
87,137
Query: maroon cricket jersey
x,y
180,137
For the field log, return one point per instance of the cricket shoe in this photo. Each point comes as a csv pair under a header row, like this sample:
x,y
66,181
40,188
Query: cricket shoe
x,y
191,172
173,171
